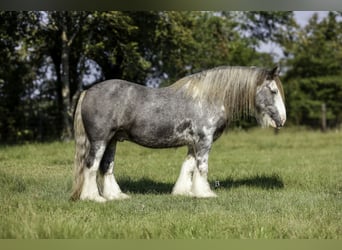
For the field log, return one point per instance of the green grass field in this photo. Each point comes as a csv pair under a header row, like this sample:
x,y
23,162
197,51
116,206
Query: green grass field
x,y
269,186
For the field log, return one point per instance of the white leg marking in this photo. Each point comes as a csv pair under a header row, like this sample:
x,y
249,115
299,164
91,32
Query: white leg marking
x,y
200,185
184,181
111,189
90,190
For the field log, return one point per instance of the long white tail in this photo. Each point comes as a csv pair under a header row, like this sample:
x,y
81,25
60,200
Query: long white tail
x,y
82,147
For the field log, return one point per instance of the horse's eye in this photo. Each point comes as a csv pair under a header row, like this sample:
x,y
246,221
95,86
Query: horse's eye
x,y
273,89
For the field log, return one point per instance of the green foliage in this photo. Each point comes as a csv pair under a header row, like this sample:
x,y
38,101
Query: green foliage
x,y
267,25
306,96
16,72
114,46
47,56
315,74
269,187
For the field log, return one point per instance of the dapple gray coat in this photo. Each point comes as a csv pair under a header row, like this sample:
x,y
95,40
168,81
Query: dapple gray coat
x,y
192,112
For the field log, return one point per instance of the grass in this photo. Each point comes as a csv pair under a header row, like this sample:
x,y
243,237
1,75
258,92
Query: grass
x,y
269,186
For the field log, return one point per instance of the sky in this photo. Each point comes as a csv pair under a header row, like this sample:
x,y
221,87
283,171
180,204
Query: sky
x,y
303,17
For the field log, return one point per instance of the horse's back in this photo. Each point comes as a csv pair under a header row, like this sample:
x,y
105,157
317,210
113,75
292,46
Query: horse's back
x,y
112,88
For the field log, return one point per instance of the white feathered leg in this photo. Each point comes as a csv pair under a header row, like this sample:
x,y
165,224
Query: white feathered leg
x,y
200,185
184,181
90,190
111,189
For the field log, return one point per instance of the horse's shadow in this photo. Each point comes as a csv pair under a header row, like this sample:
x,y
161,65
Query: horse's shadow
x,y
145,186
259,181
148,186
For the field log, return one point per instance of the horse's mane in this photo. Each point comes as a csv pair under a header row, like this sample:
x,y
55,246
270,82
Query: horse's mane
x,y
233,87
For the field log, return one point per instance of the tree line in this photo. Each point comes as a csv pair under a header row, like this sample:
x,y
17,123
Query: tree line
x,y
48,57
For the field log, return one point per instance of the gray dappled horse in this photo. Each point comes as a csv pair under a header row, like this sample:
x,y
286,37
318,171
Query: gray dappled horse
x,y
192,112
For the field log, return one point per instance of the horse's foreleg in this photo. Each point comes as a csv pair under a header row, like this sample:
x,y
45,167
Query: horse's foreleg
x,y
200,185
184,181
111,189
90,190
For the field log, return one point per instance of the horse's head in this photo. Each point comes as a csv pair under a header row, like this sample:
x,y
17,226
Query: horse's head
x,y
269,103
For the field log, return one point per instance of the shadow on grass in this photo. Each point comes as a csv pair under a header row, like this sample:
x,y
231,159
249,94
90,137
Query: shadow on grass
x,y
148,186
259,181
145,186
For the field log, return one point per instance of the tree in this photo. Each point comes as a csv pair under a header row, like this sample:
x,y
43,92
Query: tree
x,y
61,37
220,41
17,72
114,47
49,55
315,71
265,26
181,43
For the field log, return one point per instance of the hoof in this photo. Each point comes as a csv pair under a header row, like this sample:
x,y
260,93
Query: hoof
x,y
96,198
119,196
183,193
206,195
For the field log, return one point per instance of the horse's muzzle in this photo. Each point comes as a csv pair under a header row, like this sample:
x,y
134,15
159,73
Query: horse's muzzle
x,y
281,123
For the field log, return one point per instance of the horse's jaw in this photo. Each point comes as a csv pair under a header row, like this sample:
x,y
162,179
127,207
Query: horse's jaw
x,y
266,121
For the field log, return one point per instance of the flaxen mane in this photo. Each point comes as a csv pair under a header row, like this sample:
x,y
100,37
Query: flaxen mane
x,y
233,87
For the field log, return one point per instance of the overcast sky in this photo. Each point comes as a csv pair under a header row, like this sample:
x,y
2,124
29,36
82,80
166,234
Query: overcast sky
x,y
303,17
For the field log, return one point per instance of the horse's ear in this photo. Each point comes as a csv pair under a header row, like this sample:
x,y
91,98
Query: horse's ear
x,y
275,71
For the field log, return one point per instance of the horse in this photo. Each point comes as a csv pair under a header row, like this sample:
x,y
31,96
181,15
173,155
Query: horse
x,y
192,112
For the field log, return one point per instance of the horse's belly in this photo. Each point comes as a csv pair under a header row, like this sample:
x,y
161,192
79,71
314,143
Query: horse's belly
x,y
162,136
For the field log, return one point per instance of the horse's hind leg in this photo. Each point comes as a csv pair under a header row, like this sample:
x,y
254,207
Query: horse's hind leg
x,y
90,190
111,189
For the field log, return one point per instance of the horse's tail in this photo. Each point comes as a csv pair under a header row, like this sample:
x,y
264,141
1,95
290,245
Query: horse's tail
x,y
82,147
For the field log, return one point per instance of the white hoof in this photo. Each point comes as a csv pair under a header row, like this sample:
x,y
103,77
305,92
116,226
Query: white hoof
x,y
206,195
119,196
182,193
182,187
96,198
